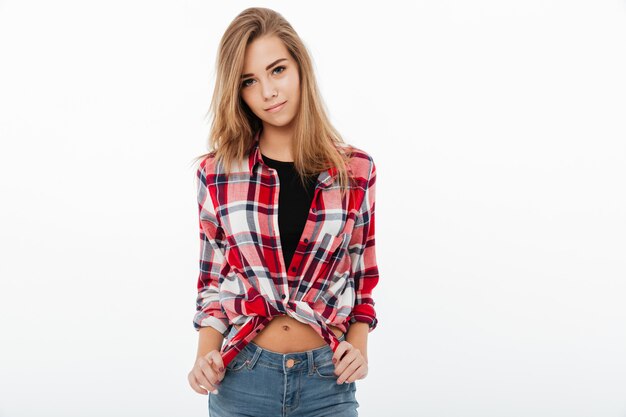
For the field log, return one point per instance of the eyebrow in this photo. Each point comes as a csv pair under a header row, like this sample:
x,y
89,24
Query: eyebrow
x,y
266,68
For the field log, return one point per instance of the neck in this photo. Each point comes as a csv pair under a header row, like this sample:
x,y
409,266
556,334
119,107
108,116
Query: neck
x,y
276,142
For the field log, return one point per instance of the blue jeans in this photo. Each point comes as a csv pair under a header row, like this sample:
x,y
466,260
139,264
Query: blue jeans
x,y
263,383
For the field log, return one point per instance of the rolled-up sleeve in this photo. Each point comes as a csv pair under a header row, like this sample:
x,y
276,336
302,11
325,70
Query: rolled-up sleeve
x,y
212,263
364,267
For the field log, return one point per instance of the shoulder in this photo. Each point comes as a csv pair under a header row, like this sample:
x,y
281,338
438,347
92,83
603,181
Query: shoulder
x,y
214,166
361,162
207,165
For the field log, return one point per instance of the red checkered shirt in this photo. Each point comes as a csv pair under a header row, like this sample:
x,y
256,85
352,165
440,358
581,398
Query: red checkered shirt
x,y
243,279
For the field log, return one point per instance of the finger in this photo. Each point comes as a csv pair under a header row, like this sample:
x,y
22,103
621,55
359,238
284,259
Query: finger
x,y
194,384
217,362
339,352
206,378
349,357
212,372
352,372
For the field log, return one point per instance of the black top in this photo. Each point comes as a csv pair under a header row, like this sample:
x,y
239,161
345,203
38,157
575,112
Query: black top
x,y
294,203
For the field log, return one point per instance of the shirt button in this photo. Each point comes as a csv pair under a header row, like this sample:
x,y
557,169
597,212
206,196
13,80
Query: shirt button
x,y
283,296
313,210
306,240
293,269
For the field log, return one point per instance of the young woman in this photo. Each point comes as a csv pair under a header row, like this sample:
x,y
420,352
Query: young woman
x,y
287,256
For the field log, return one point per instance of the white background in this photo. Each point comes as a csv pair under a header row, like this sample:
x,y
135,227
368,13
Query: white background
x,y
498,131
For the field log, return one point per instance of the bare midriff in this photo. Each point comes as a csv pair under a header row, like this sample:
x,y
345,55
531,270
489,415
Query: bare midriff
x,y
284,334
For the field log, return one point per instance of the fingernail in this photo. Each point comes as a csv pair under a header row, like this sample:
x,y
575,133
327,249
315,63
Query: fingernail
x,y
221,368
214,391
334,360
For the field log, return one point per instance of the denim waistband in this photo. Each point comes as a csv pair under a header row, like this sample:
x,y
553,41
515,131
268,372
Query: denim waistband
x,y
256,355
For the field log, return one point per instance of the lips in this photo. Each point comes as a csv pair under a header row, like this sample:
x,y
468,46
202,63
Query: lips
x,y
276,106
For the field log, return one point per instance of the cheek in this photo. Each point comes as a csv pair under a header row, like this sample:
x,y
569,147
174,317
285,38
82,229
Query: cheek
x,y
246,98
290,81
294,88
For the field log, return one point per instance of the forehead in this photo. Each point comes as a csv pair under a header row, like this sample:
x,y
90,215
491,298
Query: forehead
x,y
263,51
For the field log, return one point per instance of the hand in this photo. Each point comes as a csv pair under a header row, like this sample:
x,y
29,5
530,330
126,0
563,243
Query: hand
x,y
352,366
207,373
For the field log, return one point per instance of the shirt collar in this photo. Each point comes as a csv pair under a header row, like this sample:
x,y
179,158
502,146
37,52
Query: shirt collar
x,y
325,179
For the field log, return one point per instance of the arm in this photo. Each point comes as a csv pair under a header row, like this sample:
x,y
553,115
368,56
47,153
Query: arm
x,y
209,320
357,337
208,340
364,268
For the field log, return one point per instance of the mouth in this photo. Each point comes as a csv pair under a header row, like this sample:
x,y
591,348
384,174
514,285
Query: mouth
x,y
276,107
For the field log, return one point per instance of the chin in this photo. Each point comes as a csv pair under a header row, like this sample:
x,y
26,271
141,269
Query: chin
x,y
279,123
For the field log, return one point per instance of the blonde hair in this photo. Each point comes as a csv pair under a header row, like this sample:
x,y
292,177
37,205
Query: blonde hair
x,y
317,145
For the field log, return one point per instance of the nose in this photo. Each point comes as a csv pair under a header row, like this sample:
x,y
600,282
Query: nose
x,y
268,91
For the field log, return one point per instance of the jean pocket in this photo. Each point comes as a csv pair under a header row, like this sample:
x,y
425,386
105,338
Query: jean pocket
x,y
325,370
238,363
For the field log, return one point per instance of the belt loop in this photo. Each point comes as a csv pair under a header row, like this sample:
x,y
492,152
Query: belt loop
x,y
255,357
311,361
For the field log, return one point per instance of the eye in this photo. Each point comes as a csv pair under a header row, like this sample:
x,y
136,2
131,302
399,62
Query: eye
x,y
280,67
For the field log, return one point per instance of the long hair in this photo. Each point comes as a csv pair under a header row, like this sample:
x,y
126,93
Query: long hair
x,y
317,145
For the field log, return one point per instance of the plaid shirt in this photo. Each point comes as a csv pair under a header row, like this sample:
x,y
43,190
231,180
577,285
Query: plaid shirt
x,y
243,279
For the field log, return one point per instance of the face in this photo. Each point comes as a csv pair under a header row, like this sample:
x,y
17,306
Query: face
x,y
270,77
